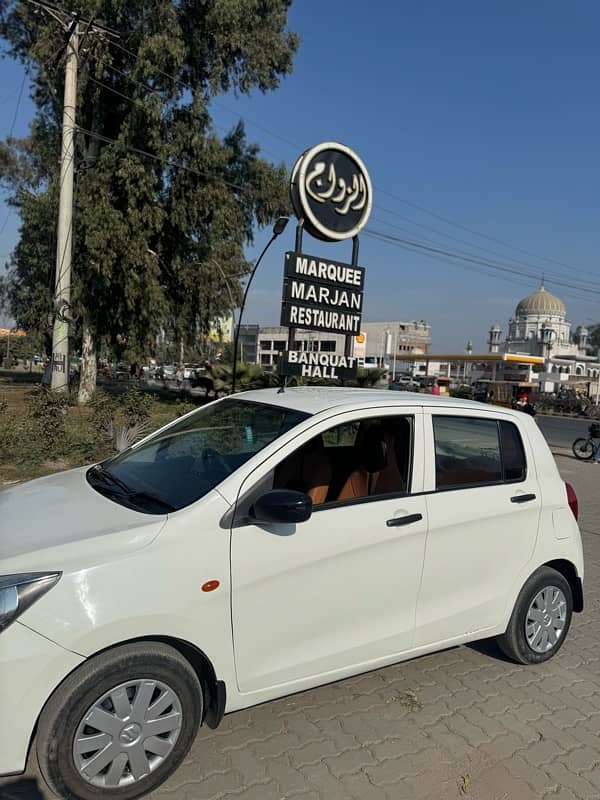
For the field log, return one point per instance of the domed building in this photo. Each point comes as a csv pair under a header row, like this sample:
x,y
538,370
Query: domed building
x,y
540,328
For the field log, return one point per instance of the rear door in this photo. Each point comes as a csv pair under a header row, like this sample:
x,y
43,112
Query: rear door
x,y
483,503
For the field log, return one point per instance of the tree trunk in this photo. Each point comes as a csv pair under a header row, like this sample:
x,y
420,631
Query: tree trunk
x,y
87,379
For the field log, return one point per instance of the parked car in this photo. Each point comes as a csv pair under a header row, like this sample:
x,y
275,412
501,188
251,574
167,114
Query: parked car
x,y
190,371
404,383
261,545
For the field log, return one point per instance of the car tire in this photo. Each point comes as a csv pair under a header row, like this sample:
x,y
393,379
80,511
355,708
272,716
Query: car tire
x,y
540,619
140,749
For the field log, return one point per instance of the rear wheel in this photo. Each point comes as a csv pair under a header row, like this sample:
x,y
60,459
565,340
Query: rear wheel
x,y
120,724
540,620
583,449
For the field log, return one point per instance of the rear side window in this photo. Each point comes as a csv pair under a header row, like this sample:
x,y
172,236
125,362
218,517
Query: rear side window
x,y
513,454
474,452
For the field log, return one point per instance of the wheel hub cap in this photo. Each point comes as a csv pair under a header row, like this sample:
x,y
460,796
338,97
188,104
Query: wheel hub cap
x,y
546,618
130,734
127,733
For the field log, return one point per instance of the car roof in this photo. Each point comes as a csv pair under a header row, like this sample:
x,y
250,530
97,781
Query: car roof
x,y
314,399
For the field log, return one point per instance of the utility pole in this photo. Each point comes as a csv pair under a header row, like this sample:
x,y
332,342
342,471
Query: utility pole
x,y
64,247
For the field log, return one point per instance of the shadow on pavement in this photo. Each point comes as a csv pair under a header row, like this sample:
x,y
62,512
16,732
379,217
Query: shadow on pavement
x,y
21,788
489,648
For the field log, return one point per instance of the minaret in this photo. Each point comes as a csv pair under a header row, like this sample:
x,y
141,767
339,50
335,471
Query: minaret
x,y
581,338
494,338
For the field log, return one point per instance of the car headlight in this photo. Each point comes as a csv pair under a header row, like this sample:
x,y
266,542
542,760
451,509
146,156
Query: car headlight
x,y
18,592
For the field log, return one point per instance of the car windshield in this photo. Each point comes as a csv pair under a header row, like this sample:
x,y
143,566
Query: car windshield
x,y
181,464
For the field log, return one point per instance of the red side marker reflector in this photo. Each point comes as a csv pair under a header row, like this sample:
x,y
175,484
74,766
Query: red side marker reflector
x,y
210,586
572,500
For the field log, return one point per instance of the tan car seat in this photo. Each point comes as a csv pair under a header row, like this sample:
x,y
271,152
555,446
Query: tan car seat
x,y
377,471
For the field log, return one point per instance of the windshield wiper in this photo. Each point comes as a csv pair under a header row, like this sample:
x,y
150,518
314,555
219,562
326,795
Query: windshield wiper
x,y
101,472
131,494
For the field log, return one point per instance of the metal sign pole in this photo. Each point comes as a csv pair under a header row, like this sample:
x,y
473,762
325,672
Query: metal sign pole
x,y
355,248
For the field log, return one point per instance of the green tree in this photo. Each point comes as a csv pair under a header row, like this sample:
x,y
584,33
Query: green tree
x,y
594,337
164,206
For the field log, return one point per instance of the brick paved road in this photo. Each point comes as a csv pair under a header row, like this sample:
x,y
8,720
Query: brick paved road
x,y
464,723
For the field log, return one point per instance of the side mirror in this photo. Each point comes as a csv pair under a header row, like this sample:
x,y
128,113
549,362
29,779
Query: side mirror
x,y
282,505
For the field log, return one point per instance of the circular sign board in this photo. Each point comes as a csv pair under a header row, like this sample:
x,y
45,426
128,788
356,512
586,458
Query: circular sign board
x,y
331,191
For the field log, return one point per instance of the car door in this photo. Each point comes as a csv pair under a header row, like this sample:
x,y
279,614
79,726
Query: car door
x,y
483,503
337,591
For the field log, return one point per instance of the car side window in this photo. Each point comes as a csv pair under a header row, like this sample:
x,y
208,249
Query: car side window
x,y
470,451
352,461
513,453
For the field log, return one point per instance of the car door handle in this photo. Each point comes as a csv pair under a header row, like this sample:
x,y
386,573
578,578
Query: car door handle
x,y
406,520
522,498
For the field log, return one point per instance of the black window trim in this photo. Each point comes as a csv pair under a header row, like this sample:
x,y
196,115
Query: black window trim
x,y
359,501
478,485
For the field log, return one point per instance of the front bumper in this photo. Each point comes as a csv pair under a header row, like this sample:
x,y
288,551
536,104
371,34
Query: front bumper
x,y
31,667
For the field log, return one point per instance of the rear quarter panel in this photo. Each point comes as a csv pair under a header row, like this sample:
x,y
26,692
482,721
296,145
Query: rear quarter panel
x,y
558,533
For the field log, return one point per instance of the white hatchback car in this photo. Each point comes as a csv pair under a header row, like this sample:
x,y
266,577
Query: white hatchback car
x,y
261,545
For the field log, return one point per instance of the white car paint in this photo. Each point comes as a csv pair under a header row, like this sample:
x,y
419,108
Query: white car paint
x,y
327,598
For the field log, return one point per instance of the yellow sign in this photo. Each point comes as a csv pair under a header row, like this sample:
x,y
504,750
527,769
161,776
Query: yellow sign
x,y
222,330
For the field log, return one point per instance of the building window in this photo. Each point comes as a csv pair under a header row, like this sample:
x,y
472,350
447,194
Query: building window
x,y
328,346
265,359
266,344
279,345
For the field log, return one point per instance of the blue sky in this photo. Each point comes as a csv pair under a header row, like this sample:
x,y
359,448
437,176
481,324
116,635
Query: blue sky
x,y
484,113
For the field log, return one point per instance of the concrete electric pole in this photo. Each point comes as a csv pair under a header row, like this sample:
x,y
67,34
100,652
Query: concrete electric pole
x,y
64,246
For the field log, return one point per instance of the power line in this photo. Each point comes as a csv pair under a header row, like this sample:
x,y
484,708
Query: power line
x,y
461,240
157,92
51,7
111,89
475,232
16,114
216,103
165,161
513,280
549,275
12,128
477,261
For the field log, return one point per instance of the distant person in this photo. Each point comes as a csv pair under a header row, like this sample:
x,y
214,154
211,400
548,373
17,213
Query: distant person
x,y
435,388
524,405
594,431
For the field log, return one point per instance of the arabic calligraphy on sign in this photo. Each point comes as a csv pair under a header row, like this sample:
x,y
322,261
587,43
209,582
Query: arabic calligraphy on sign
x,y
352,196
331,191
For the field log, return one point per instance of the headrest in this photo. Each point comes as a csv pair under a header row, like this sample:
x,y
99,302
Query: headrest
x,y
372,447
314,445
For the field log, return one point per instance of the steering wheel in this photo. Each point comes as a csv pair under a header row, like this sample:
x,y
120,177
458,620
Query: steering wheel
x,y
211,458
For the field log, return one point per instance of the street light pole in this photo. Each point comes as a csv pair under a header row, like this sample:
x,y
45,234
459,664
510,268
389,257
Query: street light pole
x,y
278,228
229,292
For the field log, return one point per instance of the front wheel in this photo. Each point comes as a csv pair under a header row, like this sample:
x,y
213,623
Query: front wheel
x,y
583,449
540,620
120,724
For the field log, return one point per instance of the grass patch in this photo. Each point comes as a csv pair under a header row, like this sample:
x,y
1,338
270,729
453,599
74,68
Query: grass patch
x,y
42,432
